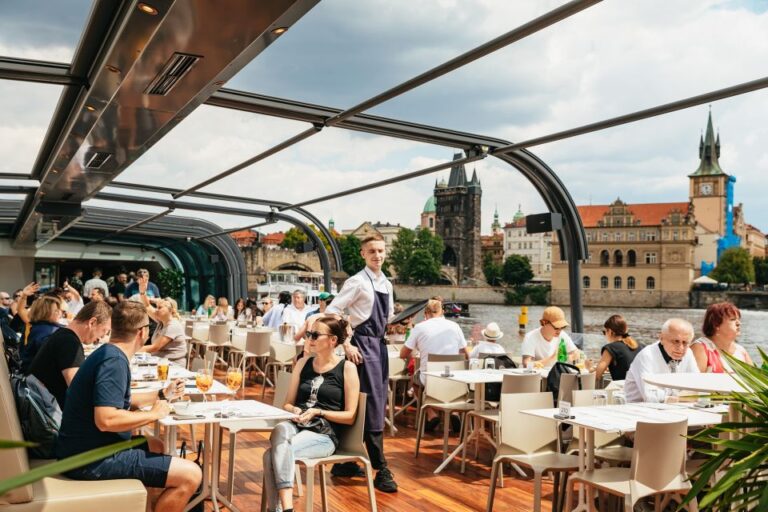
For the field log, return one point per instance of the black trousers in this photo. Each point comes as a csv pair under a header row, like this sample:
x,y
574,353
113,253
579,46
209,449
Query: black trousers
x,y
374,443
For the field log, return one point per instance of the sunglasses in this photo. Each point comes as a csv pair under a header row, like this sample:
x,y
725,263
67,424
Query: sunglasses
x,y
604,332
314,335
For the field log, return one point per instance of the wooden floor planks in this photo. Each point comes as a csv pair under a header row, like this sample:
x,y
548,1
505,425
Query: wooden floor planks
x,y
420,489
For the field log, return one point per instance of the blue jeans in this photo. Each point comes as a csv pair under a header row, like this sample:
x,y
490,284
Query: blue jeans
x,y
288,444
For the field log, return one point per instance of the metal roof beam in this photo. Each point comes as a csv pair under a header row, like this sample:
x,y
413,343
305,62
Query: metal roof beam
x,y
133,226
42,72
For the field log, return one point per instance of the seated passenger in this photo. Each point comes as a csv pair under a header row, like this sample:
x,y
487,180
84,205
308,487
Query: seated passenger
x,y
100,411
722,325
668,355
44,316
323,394
543,343
169,340
223,311
619,353
242,313
207,307
97,295
56,363
491,334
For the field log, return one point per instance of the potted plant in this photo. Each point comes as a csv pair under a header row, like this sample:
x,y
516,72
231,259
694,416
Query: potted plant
x,y
738,462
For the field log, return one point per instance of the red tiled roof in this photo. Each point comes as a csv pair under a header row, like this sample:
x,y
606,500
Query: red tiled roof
x,y
273,238
649,214
520,223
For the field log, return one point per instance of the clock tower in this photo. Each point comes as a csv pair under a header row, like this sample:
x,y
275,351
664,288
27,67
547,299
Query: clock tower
x,y
711,193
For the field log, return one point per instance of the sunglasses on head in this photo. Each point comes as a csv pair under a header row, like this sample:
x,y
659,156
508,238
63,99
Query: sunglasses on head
x,y
314,335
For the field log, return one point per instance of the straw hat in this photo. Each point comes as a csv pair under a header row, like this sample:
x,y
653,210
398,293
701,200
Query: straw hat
x,y
492,332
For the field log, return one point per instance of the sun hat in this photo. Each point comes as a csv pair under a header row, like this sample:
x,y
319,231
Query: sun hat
x,y
492,332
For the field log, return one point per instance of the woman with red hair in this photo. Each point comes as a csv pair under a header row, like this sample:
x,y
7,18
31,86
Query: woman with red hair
x,y
722,325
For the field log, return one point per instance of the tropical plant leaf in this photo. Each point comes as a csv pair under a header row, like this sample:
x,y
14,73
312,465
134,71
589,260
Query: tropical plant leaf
x,y
5,444
64,465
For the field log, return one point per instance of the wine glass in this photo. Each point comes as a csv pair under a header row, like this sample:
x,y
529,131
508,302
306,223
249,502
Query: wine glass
x,y
204,381
233,381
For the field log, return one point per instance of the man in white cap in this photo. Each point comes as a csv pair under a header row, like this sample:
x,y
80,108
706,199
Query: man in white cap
x,y
543,344
491,334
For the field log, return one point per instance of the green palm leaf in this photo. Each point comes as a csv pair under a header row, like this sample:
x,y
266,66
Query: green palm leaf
x,y
63,465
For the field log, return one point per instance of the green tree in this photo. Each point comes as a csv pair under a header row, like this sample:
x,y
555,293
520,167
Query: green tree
x,y
516,270
351,260
294,239
171,282
735,266
416,256
761,270
491,270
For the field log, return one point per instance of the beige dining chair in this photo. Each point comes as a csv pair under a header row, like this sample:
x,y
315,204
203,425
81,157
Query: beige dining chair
x,y
237,348
199,340
445,396
219,340
608,447
257,352
570,382
657,468
529,441
397,374
281,356
351,449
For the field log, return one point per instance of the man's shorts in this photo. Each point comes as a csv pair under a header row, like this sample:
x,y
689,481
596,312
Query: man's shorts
x,y
139,463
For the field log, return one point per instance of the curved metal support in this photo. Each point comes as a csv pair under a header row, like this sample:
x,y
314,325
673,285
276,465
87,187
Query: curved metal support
x,y
573,239
322,253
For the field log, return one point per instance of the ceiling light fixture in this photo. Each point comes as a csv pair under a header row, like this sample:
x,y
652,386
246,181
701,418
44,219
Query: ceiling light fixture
x,y
279,30
90,108
146,8
112,68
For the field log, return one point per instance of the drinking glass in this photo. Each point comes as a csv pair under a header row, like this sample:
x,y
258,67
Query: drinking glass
x,y
233,381
490,363
204,381
162,370
599,398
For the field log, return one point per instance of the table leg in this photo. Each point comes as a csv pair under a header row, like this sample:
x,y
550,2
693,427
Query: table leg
x,y
205,491
582,503
216,494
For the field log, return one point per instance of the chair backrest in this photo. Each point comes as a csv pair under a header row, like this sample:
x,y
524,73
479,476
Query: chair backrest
x,y
13,461
514,383
189,329
396,367
197,363
282,385
219,334
200,331
239,336
568,383
444,390
659,453
523,432
281,352
258,341
445,358
583,398
351,437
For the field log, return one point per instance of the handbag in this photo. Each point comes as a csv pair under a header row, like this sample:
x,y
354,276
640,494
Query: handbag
x,y
200,507
319,425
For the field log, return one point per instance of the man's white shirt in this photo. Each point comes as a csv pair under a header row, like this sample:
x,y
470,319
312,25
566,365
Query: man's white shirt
x,y
357,296
294,316
534,344
437,335
95,283
649,361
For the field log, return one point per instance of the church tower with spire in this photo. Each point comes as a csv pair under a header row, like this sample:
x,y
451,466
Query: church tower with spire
x,y
457,221
496,225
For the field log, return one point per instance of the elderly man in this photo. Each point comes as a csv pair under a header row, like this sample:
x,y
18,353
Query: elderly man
x,y
543,344
153,292
5,305
100,411
668,355
296,312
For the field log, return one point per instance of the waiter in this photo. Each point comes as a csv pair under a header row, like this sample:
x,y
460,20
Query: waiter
x,y
367,297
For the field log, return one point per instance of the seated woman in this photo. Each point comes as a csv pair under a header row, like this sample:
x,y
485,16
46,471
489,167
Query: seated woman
x,y
207,307
44,316
323,394
223,311
620,351
722,325
242,312
168,341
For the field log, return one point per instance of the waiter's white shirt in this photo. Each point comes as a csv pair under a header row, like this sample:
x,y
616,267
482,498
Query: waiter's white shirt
x,y
648,361
357,296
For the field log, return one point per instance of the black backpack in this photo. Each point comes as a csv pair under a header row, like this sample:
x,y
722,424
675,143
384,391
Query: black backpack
x,y
39,415
493,389
553,379
10,346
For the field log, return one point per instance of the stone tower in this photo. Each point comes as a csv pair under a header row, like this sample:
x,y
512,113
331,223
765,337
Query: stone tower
x,y
458,223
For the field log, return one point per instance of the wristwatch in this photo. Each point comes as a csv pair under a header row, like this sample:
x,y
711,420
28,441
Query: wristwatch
x,y
320,413
160,394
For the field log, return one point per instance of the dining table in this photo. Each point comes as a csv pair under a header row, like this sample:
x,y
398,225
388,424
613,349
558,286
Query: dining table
x,y
211,415
620,419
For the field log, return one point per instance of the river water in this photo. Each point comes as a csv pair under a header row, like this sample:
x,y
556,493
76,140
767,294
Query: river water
x,y
644,325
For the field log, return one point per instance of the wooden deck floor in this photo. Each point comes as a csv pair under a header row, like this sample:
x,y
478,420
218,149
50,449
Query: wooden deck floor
x,y
420,489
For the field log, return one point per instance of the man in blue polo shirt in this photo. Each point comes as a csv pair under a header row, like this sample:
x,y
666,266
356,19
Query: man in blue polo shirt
x,y
100,410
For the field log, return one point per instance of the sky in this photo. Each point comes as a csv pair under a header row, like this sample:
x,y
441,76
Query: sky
x,y
613,58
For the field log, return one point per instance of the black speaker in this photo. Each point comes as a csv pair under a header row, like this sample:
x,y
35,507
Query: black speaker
x,y
543,222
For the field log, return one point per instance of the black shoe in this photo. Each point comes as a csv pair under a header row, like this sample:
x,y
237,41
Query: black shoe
x,y
455,424
384,481
432,424
348,469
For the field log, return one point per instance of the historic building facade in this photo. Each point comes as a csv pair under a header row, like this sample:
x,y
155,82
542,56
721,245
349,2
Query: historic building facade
x,y
428,214
457,221
537,247
493,245
640,255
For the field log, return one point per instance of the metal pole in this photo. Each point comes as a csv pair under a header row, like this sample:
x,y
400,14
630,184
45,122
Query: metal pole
x,y
133,226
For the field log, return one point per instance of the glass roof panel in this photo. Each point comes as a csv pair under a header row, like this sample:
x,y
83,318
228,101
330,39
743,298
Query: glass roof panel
x,y
25,110
40,29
